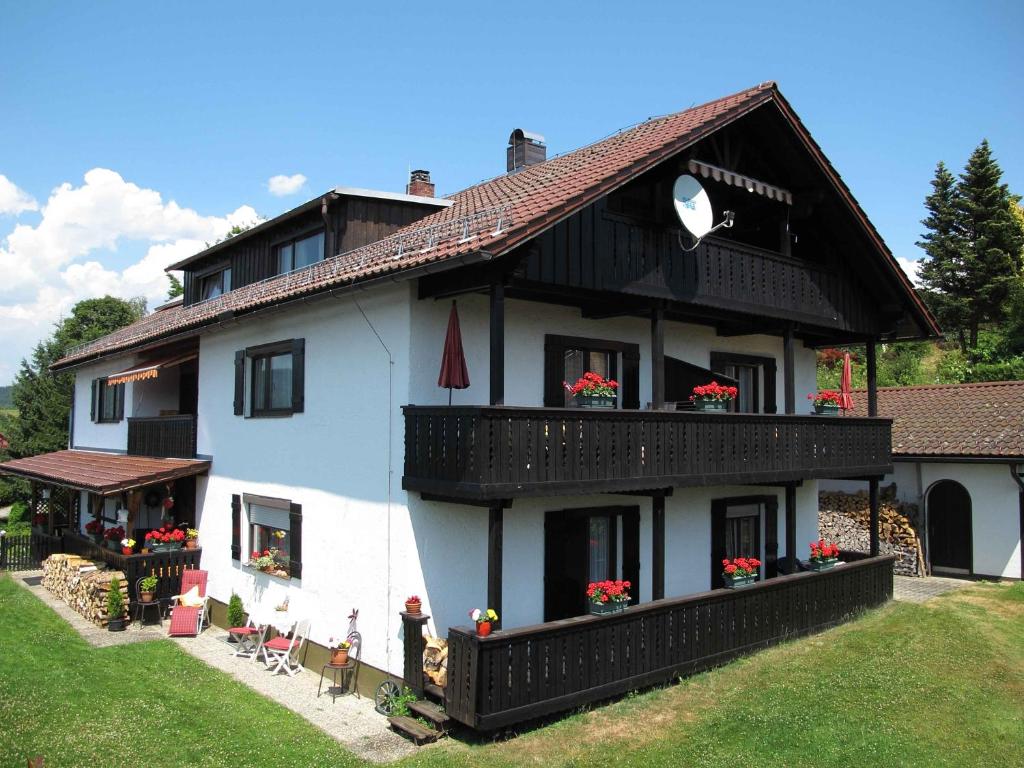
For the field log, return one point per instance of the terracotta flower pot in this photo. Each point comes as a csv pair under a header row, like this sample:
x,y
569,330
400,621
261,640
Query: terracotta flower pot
x,y
190,543
146,597
413,608
339,656
126,550
483,628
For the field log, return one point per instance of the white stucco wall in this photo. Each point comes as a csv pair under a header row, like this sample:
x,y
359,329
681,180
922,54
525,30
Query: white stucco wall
x,y
995,510
89,434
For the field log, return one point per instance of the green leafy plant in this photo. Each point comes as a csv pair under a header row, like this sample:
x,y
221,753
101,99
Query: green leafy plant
x,y
236,612
400,703
115,603
19,513
148,584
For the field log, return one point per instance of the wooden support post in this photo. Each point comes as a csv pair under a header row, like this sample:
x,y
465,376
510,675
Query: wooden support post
x,y
791,556
657,358
658,547
497,373
789,370
414,645
873,502
35,500
495,534
872,372
134,505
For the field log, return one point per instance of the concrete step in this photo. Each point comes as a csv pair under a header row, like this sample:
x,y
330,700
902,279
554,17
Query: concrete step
x,y
414,730
430,711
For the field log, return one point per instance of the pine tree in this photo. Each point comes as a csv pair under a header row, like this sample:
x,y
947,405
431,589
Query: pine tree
x,y
993,240
943,273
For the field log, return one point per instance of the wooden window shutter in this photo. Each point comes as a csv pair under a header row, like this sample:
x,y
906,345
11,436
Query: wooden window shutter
x,y
298,375
236,527
718,513
631,552
554,373
94,395
119,402
239,382
769,371
630,380
295,537
771,538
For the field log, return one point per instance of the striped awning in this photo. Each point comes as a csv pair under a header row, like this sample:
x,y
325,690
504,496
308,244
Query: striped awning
x,y
150,369
715,173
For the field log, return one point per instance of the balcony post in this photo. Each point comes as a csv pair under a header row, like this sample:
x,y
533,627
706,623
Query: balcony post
x,y
658,547
497,372
873,524
872,371
789,370
495,534
791,556
657,358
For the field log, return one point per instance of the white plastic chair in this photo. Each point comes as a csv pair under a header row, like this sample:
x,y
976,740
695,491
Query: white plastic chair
x,y
283,652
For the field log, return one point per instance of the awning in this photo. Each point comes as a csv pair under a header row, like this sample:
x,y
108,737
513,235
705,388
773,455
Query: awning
x,y
102,473
738,180
149,370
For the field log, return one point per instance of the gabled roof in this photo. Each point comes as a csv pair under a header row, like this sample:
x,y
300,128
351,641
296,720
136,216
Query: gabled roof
x,y
983,420
528,202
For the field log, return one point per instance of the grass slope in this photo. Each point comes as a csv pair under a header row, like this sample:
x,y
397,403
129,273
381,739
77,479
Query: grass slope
x,y
909,685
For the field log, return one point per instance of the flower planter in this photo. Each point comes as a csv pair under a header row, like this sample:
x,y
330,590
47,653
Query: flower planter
x,y
483,628
339,656
146,597
826,409
822,565
595,401
191,543
115,625
711,405
738,582
97,539
39,530
413,609
600,609
126,551
164,546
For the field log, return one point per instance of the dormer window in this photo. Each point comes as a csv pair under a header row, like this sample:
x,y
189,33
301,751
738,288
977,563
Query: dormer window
x,y
214,284
300,252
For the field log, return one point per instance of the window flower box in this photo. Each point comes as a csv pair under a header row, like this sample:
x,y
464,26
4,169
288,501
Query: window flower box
x,y
711,405
736,582
826,402
713,396
740,572
592,390
595,401
823,556
608,596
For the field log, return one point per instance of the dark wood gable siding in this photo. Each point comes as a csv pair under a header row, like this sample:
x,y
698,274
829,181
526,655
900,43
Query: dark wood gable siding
x,y
599,250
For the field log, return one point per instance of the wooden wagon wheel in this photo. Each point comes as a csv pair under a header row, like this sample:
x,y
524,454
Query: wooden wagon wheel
x,y
384,701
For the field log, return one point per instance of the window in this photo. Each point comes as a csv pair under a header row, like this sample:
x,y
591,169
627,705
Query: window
x,y
300,252
755,378
744,526
579,361
269,530
107,402
743,531
566,358
215,284
275,374
275,526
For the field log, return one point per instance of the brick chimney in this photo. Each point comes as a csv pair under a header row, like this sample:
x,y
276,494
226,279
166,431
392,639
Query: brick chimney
x,y
525,148
420,184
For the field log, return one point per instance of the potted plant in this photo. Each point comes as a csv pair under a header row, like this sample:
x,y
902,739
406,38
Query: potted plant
x,y
265,561
95,529
165,539
39,521
592,390
740,571
127,546
826,402
113,537
484,620
147,588
339,651
413,605
115,606
823,556
236,614
610,596
191,538
713,396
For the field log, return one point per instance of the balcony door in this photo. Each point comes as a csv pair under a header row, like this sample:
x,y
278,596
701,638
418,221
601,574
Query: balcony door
x,y
755,378
744,526
566,358
585,545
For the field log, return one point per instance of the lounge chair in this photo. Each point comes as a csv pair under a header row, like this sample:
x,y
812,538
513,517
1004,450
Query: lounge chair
x,y
187,620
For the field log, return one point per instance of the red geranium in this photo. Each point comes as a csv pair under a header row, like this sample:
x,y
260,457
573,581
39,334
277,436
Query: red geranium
x,y
821,551
114,534
741,567
616,591
592,384
39,519
94,527
714,391
825,397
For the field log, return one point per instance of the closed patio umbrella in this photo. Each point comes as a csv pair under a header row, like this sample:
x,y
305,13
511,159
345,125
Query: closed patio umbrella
x,y
454,374
845,385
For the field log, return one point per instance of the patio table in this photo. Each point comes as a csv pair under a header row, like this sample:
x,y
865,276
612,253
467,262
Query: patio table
x,y
283,622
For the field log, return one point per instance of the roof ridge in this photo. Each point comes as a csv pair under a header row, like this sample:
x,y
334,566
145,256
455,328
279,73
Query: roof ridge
x,y
962,385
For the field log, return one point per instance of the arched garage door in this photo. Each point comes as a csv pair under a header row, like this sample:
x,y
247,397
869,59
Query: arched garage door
x,y
949,527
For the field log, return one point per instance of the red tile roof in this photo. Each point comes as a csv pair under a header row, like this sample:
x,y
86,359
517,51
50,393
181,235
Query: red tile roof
x,y
983,420
103,473
530,200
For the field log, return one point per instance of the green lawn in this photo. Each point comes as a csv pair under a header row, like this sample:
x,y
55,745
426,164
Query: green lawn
x,y
917,685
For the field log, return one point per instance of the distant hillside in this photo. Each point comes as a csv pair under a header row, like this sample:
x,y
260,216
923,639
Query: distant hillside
x,y
5,397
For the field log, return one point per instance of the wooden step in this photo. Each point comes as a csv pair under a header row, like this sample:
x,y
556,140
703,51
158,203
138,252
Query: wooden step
x,y
434,692
428,710
418,732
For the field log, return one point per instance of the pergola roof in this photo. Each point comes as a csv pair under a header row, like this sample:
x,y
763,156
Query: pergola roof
x,y
102,473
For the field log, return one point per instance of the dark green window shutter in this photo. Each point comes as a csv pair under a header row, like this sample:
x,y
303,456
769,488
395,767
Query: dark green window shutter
x,y
554,373
631,552
295,539
92,399
718,513
771,539
298,375
236,527
239,382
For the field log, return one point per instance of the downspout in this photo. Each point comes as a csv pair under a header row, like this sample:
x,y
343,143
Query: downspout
x,y
1017,473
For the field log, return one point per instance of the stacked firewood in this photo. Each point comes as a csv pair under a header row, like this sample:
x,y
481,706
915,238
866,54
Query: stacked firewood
x,y
844,518
435,660
78,583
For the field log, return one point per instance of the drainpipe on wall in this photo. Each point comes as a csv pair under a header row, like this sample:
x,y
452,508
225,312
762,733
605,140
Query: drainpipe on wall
x,y
1017,473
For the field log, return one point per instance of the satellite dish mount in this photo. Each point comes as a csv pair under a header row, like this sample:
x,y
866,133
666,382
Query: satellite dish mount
x,y
693,207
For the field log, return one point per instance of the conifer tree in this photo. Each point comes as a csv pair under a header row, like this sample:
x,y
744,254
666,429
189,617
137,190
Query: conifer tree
x,y
943,273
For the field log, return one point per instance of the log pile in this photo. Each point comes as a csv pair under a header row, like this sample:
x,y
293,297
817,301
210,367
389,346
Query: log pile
x,y
435,660
844,518
81,585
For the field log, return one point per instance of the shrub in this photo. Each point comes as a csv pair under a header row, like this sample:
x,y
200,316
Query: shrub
x,y
148,584
19,513
236,613
115,603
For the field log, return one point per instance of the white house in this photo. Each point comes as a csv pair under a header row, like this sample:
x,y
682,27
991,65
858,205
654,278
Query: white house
x,y
294,389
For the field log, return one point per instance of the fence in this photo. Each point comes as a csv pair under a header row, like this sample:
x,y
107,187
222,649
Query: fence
x,y
26,551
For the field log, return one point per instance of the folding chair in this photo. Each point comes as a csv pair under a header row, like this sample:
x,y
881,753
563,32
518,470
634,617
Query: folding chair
x,y
283,652
187,621
248,639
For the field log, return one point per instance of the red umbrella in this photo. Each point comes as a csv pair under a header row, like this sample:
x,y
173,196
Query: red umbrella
x,y
454,373
845,385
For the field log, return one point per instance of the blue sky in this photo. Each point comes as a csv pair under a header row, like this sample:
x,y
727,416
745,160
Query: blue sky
x,y
202,103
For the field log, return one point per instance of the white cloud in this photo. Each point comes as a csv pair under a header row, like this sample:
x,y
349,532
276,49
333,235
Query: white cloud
x,y
49,267
280,185
14,200
912,267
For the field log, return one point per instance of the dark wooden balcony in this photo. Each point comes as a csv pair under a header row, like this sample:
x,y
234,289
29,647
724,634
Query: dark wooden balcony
x,y
494,452
165,437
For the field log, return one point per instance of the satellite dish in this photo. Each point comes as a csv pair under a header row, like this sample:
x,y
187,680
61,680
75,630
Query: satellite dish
x,y
692,206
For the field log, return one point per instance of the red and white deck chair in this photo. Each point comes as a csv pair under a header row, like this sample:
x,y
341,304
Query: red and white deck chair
x,y
188,610
248,639
283,652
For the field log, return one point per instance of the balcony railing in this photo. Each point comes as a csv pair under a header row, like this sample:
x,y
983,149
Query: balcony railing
x,y
484,452
166,437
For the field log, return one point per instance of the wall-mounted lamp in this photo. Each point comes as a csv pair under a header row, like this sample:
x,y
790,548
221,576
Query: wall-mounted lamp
x,y
46,494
